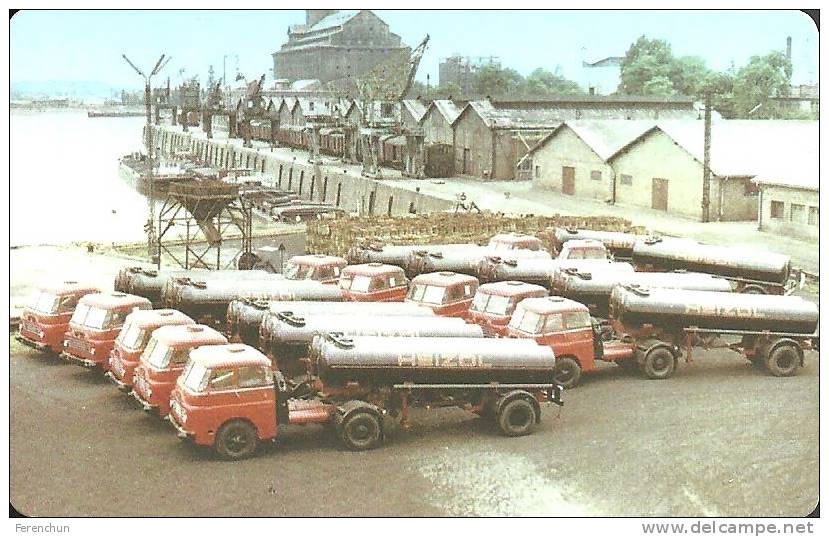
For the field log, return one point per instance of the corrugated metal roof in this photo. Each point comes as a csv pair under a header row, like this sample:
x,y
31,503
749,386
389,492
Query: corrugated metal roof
x,y
334,20
509,118
416,108
449,110
604,136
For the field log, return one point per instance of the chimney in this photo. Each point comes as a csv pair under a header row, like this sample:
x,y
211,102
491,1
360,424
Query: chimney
x,y
313,16
789,48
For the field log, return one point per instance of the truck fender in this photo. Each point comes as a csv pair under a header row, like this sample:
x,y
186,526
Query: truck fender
x,y
519,394
643,348
349,407
787,341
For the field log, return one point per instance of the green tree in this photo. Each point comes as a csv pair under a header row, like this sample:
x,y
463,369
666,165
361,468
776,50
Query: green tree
x,y
660,86
756,83
542,83
646,59
496,81
688,75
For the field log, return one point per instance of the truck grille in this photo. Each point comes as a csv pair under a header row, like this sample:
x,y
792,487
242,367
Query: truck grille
x,y
30,327
78,346
117,367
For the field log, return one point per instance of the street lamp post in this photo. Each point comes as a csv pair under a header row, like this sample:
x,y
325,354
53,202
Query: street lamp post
x,y
152,252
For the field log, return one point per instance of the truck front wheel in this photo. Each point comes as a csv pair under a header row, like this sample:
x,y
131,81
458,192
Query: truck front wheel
x,y
361,430
659,364
567,372
236,440
783,361
516,418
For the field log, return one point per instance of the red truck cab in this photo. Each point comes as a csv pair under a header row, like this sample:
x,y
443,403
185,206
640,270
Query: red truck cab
x,y
133,339
515,241
319,267
45,318
373,282
448,294
495,302
583,249
226,399
164,359
565,326
95,324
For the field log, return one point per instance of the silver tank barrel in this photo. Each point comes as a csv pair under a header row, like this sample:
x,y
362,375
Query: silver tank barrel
x,y
397,255
244,316
593,289
568,267
619,243
674,309
150,283
542,271
728,261
384,361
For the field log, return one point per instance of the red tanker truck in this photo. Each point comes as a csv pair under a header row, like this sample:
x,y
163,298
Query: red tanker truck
x,y
619,244
229,399
317,267
768,330
566,326
132,340
151,283
164,359
515,241
45,318
494,304
447,294
373,282
95,324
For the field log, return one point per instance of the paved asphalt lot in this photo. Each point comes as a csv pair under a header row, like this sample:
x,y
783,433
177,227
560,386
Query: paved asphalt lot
x,y
720,438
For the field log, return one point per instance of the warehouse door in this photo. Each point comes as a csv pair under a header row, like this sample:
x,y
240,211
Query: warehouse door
x,y
568,180
659,195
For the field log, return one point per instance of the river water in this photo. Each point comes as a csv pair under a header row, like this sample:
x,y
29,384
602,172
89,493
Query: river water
x,y
64,184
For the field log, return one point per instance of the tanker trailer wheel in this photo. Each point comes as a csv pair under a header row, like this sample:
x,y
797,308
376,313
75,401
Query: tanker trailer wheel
x,y
516,417
783,360
361,430
566,372
236,440
659,363
753,290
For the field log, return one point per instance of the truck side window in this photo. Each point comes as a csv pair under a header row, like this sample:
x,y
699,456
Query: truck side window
x,y
253,376
577,319
378,284
454,294
67,304
392,281
553,323
221,379
180,356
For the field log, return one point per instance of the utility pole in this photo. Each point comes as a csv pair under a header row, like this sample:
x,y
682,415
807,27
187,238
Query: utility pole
x,y
706,162
152,250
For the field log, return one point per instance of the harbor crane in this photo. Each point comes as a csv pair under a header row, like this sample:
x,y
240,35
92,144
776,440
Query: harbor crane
x,y
163,60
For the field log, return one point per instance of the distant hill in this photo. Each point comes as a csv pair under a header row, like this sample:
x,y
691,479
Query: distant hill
x,y
78,89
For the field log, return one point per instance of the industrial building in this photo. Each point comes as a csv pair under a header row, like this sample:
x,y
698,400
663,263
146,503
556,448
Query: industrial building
x,y
437,121
659,165
334,45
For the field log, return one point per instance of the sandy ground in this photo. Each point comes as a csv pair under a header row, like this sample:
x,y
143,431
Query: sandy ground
x,y
720,438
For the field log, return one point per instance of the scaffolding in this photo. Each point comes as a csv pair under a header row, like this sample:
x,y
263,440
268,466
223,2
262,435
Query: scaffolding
x,y
205,218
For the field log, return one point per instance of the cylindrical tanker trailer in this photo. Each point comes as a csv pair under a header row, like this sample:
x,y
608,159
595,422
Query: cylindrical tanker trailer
x,y
397,255
244,316
540,271
469,261
754,271
565,269
150,283
768,330
287,337
389,361
208,302
593,289
618,243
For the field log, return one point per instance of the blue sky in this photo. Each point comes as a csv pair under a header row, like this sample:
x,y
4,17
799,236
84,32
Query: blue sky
x,y
87,45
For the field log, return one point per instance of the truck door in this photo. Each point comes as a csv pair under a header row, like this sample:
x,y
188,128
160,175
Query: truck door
x,y
579,335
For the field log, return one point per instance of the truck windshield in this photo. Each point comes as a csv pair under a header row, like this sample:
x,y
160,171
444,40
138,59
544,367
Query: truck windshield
x,y
132,336
90,317
195,377
359,283
295,271
43,302
428,294
526,321
494,304
156,354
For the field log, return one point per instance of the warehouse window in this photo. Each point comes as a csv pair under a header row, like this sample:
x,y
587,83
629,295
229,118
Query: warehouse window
x,y
776,209
814,217
797,212
596,175
626,179
537,172
386,109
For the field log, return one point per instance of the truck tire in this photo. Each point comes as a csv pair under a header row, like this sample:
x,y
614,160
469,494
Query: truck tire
x,y
783,360
567,372
753,290
659,363
516,417
236,440
361,430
